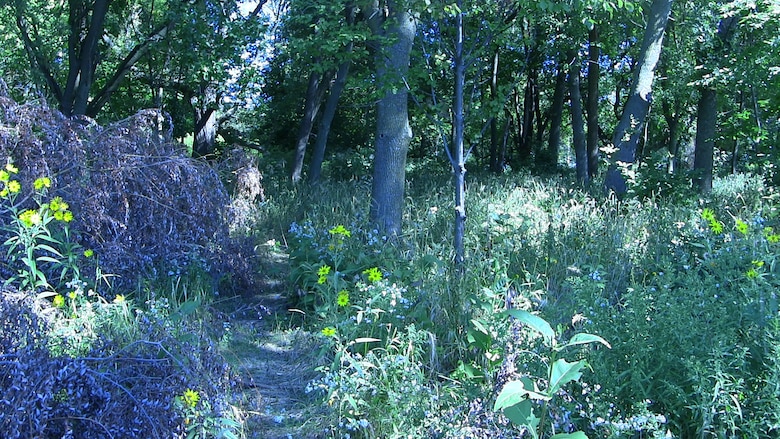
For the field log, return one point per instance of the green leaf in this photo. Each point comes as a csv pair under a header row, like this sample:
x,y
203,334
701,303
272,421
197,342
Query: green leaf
x,y
584,338
49,249
563,372
523,414
47,259
515,392
535,322
479,336
575,435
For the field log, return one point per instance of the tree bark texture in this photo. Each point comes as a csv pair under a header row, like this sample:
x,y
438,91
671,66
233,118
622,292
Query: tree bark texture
x,y
578,123
594,71
457,154
396,28
706,125
556,116
315,91
629,128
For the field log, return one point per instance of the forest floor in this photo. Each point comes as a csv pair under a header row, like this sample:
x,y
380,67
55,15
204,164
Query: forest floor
x,y
274,360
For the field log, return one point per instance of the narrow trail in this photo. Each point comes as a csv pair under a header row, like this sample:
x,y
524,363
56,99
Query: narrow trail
x,y
274,360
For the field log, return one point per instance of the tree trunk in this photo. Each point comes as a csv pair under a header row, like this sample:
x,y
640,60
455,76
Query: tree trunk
x,y
496,159
673,123
393,133
629,129
556,116
526,139
205,138
314,94
593,102
331,105
85,33
706,124
577,123
457,154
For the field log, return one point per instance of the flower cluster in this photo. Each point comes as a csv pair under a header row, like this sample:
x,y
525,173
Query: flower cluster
x,y
373,273
7,186
715,226
59,210
322,274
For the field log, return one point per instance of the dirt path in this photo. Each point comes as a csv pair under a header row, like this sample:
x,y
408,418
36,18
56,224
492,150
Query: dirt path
x,y
275,361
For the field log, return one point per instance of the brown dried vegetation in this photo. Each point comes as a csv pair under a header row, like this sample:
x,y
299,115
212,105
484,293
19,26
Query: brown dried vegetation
x,y
139,201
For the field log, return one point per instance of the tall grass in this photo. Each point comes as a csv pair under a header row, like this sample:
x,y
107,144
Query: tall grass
x,y
635,272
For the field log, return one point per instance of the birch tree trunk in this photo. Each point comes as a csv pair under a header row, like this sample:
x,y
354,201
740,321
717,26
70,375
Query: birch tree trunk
x,y
629,129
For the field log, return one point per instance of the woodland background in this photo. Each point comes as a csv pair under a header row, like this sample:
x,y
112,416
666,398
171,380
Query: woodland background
x,y
461,219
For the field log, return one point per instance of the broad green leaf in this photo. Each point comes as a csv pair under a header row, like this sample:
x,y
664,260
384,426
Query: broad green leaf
x,y
479,336
514,392
470,371
563,372
523,414
535,322
584,338
575,435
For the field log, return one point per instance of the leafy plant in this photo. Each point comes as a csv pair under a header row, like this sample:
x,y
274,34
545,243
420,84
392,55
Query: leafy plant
x,y
526,401
39,236
200,420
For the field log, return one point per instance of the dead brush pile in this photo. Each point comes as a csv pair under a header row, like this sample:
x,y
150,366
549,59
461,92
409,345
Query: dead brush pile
x,y
138,200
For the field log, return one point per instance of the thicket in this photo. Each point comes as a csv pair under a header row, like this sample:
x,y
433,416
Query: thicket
x,y
114,244
139,201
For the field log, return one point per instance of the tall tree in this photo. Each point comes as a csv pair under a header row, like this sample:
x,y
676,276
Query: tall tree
x,y
318,155
577,122
315,91
592,105
715,48
71,79
394,28
629,128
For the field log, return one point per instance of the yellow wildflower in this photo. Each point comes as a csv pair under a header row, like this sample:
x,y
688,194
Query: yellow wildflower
x,y
708,215
30,218
119,299
58,301
14,187
41,183
191,398
343,298
328,331
11,168
323,274
716,227
741,227
340,230
374,275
